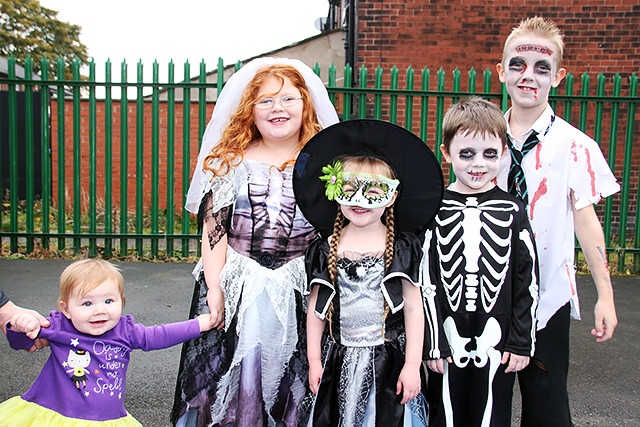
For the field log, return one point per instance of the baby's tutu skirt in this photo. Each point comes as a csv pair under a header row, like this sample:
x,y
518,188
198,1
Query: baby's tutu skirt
x,y
17,412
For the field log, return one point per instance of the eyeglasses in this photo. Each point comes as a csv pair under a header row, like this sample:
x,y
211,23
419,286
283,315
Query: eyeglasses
x,y
286,101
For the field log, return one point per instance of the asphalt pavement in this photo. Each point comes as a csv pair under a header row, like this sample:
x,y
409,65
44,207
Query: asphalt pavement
x,y
604,378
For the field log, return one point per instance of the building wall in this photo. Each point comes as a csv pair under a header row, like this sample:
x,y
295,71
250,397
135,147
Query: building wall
x,y
324,49
600,35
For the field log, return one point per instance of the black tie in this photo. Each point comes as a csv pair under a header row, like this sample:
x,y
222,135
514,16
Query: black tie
x,y
517,182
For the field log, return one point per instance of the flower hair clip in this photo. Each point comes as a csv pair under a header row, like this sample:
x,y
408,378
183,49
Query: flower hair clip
x,y
333,179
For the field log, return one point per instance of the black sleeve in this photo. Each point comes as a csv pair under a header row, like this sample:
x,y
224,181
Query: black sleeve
x,y
407,254
524,293
3,298
316,262
316,266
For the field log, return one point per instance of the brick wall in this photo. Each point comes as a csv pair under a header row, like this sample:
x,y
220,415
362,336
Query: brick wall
x,y
600,36
164,181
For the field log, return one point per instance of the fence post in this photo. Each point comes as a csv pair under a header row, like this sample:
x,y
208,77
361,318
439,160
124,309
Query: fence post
x,y
28,145
455,76
408,116
424,104
140,166
93,163
487,81
631,118
348,98
61,146
439,114
377,97
108,161
171,111
584,105
472,76
393,99
202,101
155,157
331,84
77,158
45,152
568,103
13,155
362,96
124,158
186,152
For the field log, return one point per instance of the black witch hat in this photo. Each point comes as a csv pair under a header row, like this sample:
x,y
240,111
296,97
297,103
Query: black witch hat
x,y
421,181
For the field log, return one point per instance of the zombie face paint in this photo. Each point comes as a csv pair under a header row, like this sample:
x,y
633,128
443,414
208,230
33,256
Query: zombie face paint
x,y
529,71
475,160
519,65
534,48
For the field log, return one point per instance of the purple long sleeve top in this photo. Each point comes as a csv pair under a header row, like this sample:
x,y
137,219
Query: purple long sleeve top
x,y
85,375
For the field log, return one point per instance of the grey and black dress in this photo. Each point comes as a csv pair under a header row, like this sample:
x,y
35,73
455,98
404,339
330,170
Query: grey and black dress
x,y
365,351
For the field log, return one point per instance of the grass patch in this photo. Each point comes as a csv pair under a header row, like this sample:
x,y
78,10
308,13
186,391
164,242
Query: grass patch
x,y
152,241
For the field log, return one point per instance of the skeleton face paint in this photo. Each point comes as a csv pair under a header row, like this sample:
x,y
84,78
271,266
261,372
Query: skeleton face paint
x,y
475,160
367,191
530,71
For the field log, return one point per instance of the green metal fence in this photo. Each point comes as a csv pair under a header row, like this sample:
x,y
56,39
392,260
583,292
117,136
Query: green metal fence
x,y
116,155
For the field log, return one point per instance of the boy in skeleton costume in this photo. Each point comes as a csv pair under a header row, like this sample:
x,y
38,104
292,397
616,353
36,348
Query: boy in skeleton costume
x,y
480,278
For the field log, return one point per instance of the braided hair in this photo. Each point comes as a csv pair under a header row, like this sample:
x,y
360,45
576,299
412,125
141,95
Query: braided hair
x,y
377,166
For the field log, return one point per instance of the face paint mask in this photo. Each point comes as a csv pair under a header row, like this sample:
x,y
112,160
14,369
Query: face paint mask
x,y
366,191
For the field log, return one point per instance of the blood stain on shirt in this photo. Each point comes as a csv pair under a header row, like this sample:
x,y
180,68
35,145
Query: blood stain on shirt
x,y
540,191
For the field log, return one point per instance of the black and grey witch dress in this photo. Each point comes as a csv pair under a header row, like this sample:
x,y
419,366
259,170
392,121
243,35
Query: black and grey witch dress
x,y
365,352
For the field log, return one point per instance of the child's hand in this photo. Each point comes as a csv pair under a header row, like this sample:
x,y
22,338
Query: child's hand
x,y
215,301
606,320
408,383
12,310
516,362
315,374
206,322
437,365
27,323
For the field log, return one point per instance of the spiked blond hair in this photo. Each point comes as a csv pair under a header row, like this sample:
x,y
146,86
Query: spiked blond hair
x,y
539,27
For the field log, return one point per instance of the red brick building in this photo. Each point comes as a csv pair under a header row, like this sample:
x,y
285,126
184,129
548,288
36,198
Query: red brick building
x,y
600,35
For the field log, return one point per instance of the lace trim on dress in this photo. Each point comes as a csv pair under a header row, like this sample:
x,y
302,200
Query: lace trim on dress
x,y
357,264
224,189
217,221
278,343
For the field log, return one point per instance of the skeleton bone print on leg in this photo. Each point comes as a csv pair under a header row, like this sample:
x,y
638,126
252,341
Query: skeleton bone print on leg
x,y
485,352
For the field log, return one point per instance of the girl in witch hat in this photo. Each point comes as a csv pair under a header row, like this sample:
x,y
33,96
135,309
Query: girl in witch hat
x,y
370,188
